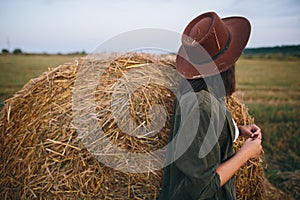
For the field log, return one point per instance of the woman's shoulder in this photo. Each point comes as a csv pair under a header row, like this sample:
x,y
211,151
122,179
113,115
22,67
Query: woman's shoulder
x,y
202,100
202,97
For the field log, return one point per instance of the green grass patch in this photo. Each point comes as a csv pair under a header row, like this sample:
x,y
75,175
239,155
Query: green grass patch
x,y
16,70
272,74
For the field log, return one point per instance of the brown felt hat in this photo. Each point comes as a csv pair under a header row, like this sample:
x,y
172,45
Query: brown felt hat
x,y
211,45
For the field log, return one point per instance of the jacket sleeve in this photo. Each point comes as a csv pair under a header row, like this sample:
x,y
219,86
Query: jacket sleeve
x,y
201,181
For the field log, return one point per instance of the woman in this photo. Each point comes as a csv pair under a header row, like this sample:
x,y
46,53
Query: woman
x,y
203,161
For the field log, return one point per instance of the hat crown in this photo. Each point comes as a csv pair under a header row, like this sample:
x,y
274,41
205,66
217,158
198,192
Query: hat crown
x,y
206,32
200,29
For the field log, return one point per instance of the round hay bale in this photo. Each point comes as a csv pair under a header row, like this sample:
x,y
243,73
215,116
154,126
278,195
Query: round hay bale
x,y
45,155
40,153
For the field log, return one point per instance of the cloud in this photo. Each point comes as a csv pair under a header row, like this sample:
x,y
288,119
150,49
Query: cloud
x,y
83,24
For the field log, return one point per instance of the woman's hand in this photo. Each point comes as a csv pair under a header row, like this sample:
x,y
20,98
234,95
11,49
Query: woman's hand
x,y
250,131
251,148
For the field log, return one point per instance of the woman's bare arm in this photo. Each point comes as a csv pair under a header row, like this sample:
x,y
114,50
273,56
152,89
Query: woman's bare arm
x,y
250,149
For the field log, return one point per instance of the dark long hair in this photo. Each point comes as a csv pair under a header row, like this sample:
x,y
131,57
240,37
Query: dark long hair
x,y
219,85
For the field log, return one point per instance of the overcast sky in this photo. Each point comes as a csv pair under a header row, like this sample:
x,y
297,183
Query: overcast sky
x,y
74,25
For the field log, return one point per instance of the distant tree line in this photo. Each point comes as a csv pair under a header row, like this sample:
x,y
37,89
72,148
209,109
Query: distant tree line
x,y
18,51
283,51
291,50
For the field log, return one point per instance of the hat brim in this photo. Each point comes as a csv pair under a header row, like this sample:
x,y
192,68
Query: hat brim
x,y
239,28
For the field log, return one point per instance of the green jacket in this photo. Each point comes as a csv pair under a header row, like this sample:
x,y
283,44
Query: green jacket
x,y
192,172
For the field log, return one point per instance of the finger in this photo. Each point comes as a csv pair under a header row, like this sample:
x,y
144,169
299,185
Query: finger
x,y
258,140
256,135
255,128
245,131
259,136
255,131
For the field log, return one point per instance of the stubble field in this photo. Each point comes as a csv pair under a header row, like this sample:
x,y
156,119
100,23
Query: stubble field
x,y
271,90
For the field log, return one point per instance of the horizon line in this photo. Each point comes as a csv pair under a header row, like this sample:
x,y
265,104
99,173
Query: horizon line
x,y
145,49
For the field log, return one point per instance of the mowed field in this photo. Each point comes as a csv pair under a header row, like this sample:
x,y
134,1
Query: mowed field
x,y
16,70
269,87
271,90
